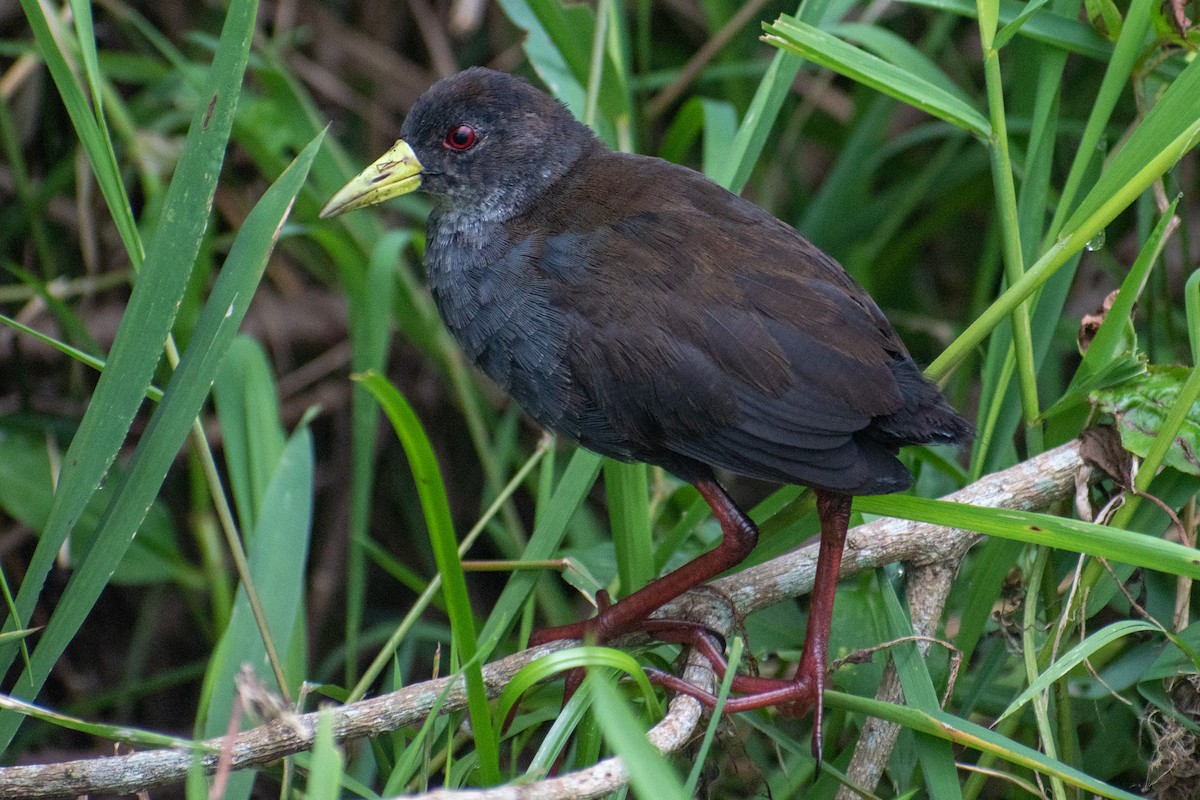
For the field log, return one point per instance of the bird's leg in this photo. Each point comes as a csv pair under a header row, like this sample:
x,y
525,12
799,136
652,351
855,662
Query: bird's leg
x,y
807,688
739,535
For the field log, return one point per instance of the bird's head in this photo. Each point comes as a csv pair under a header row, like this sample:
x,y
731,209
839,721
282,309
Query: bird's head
x,y
481,142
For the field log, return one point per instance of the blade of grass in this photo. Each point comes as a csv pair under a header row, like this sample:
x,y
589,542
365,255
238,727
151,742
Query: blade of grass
x,y
92,134
760,117
1005,190
1105,344
371,302
152,304
560,661
629,512
251,430
548,532
935,755
169,425
827,50
968,734
1076,656
1043,529
650,774
1044,26
1167,133
436,508
427,594
276,559
1126,53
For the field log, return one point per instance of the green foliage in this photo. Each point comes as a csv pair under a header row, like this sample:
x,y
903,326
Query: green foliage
x,y
989,170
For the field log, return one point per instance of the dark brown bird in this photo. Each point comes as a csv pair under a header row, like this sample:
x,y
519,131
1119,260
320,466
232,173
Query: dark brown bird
x,y
633,306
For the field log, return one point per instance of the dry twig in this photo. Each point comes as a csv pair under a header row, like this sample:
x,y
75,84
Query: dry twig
x,y
1034,484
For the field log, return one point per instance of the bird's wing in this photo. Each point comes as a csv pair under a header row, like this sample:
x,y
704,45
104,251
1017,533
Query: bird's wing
x,y
702,325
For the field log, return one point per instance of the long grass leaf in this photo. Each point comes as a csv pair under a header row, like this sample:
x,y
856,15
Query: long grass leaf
x,y
1043,529
432,491
831,52
152,304
170,422
1076,656
968,734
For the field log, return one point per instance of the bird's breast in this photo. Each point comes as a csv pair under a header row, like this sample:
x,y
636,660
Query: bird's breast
x,y
496,305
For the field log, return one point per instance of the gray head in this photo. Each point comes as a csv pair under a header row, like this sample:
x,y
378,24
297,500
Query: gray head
x,y
480,142
489,142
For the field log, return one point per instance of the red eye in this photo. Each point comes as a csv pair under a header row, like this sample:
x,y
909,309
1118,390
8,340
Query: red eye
x,y
460,137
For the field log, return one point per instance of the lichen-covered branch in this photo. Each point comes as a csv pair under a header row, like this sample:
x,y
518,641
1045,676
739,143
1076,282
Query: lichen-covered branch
x,y
1033,484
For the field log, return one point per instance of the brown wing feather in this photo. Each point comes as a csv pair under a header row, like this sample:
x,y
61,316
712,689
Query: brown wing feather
x,y
724,337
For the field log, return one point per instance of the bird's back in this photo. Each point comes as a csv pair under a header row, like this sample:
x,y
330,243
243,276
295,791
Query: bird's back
x,y
668,321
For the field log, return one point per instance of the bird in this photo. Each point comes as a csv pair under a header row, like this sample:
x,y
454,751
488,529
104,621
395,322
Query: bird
x,y
635,307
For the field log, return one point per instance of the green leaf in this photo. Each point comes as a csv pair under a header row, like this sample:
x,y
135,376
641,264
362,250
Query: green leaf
x,y
896,50
551,527
558,662
328,763
629,513
277,557
936,756
1042,529
827,50
1043,26
1105,17
251,430
1076,656
152,305
436,508
169,424
650,774
1166,134
968,734
760,117
1142,407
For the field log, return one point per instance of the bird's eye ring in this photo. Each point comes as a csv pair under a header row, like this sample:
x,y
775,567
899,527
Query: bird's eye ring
x,y
460,137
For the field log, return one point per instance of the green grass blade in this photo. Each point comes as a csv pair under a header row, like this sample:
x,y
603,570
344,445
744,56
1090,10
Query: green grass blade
x,y
1128,50
1167,133
1043,529
556,663
577,480
1191,293
153,392
92,136
170,423
650,775
1105,346
935,755
152,305
371,297
827,50
277,557
436,508
251,431
1076,656
897,50
629,514
760,117
968,734
1044,26
114,733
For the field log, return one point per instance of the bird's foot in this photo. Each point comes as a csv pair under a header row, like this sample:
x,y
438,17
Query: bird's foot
x,y
607,624
794,697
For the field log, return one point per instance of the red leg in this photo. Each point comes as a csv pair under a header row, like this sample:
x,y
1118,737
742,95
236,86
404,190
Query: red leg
x,y
797,696
807,688
738,537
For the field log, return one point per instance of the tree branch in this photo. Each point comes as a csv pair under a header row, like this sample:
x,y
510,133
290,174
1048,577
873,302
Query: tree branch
x,y
1033,484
